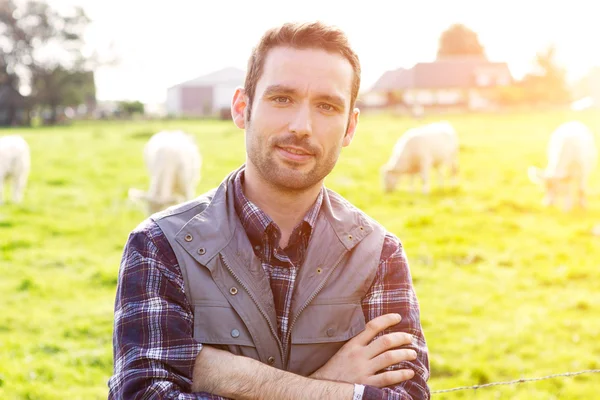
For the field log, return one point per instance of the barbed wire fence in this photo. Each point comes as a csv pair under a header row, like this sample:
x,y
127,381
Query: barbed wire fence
x,y
517,381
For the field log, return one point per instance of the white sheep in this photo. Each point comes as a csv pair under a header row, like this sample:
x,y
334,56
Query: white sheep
x,y
174,163
418,151
572,156
15,163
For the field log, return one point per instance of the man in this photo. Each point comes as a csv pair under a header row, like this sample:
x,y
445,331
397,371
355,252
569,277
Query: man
x,y
272,286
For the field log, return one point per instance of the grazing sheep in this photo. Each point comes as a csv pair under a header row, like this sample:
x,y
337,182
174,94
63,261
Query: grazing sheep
x,y
173,162
572,155
15,163
419,150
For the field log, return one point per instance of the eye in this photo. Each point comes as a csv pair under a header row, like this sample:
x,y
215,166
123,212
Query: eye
x,y
327,107
281,99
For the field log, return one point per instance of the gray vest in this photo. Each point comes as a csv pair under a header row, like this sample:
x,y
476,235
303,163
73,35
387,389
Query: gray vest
x,y
231,296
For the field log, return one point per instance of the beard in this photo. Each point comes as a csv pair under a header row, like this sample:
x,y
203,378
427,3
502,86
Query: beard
x,y
287,174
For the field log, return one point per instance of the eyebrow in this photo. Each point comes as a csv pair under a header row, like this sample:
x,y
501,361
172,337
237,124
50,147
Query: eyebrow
x,y
282,89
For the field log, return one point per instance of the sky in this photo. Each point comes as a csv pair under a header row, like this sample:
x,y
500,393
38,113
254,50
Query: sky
x,y
162,43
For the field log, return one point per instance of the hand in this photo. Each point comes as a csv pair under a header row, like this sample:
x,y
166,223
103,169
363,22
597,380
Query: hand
x,y
359,360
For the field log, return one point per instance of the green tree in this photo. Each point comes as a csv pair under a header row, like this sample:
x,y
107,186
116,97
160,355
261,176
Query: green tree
x,y
58,87
547,82
42,49
458,40
131,107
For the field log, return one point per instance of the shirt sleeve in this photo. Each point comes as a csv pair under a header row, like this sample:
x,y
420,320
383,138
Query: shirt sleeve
x,y
392,292
153,345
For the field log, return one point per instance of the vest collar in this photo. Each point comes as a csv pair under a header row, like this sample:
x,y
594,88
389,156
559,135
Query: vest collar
x,y
206,234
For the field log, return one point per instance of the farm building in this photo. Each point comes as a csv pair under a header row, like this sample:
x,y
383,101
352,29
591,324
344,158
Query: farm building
x,y
466,82
206,95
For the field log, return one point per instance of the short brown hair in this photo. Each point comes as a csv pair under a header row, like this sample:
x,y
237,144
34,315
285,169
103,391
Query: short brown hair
x,y
304,35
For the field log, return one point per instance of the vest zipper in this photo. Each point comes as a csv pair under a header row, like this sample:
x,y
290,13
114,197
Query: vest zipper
x,y
273,331
311,298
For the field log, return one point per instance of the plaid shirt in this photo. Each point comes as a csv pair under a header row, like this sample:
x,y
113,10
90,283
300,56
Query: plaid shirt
x,y
280,265
154,349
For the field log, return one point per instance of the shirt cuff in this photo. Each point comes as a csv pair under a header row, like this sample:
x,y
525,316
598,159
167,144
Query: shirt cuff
x,y
358,391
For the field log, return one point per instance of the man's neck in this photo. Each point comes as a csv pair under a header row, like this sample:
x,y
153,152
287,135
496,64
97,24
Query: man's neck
x,y
286,208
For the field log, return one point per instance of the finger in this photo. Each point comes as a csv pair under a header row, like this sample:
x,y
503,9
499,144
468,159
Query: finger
x,y
391,357
388,342
388,378
375,326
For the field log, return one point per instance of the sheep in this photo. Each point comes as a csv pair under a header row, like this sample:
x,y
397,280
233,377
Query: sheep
x,y
572,155
174,163
15,164
418,151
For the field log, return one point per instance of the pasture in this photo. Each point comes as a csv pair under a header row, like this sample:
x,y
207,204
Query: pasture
x,y
507,288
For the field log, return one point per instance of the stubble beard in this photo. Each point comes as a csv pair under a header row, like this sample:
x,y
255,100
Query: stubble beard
x,y
288,176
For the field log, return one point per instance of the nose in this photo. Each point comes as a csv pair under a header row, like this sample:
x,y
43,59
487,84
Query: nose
x,y
301,123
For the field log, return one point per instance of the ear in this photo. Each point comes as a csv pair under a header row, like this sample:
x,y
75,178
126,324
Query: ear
x,y
536,175
352,125
238,107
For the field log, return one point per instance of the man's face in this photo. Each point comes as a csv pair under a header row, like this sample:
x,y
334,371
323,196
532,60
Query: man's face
x,y
300,117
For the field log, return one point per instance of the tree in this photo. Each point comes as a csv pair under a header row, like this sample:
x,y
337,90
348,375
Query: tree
x,y
458,40
43,50
130,108
547,83
58,87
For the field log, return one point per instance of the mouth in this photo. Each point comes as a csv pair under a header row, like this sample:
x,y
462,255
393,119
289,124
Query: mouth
x,y
294,153
296,150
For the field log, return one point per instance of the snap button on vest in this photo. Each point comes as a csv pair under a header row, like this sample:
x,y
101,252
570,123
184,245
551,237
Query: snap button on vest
x,y
271,360
330,332
201,251
235,333
188,238
350,237
233,291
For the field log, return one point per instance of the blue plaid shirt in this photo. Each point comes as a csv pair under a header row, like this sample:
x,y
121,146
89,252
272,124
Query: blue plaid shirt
x,y
154,348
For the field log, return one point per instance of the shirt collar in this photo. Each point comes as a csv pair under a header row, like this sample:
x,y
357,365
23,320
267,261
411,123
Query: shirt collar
x,y
256,222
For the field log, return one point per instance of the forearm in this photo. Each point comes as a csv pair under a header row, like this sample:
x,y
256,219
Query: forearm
x,y
244,378
272,383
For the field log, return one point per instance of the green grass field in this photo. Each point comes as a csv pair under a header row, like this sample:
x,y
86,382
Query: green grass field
x,y
508,289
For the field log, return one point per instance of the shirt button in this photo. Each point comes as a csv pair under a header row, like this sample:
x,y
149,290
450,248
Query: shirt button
x,y
201,251
233,291
235,333
188,238
330,332
271,360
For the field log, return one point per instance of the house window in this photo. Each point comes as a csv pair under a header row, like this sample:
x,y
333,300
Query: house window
x,y
483,80
425,97
409,97
503,80
448,97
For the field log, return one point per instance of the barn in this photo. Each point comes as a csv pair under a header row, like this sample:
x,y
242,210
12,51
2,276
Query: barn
x,y
205,96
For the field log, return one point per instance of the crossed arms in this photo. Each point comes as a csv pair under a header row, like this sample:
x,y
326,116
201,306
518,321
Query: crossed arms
x,y
358,361
156,356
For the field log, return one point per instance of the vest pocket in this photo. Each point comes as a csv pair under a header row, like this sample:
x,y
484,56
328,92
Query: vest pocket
x,y
221,327
320,331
